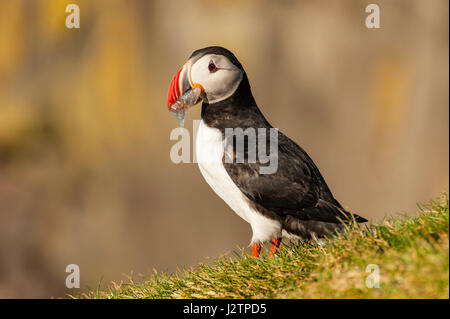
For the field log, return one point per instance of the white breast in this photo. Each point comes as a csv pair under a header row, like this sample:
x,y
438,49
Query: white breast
x,y
209,153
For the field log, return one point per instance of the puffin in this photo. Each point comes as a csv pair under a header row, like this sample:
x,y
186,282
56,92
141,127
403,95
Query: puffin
x,y
293,201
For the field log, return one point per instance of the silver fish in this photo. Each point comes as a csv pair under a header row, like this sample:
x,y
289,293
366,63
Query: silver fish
x,y
188,99
180,115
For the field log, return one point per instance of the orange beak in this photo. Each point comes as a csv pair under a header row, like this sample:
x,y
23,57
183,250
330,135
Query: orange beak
x,y
174,89
181,83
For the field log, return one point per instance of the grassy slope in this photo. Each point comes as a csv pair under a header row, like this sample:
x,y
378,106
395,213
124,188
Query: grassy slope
x,y
412,254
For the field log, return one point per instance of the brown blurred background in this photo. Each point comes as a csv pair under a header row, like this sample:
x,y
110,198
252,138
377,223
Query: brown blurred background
x,y
85,172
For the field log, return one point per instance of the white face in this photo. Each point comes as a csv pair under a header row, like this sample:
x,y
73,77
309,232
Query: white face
x,y
217,75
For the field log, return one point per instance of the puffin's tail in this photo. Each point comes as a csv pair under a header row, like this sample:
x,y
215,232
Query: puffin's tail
x,y
332,213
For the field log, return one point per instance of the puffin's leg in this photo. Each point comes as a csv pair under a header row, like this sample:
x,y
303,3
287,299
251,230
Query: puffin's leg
x,y
275,244
256,248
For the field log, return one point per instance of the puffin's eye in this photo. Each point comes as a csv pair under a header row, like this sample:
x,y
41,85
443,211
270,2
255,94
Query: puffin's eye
x,y
211,66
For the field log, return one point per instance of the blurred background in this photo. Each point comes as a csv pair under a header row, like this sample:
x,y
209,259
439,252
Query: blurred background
x,y
85,171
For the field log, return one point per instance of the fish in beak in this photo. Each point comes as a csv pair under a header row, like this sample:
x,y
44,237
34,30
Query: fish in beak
x,y
183,93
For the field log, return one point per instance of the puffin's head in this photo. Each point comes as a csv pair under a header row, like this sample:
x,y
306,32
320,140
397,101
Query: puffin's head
x,y
214,70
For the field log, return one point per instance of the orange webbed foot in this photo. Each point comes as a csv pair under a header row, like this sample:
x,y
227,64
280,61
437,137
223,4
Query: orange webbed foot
x,y
275,244
256,249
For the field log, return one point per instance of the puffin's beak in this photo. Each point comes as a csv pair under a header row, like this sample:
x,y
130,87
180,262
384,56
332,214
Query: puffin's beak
x,y
181,83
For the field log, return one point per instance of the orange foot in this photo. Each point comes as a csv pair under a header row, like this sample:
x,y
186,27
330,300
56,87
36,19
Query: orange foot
x,y
256,248
275,244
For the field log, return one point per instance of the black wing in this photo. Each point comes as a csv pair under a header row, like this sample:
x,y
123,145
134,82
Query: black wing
x,y
296,188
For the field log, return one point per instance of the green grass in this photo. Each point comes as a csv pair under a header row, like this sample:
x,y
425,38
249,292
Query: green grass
x,y
411,253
